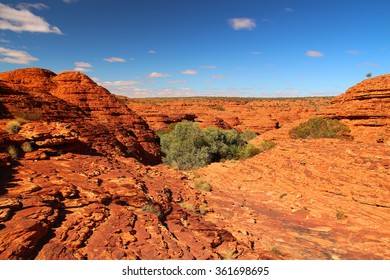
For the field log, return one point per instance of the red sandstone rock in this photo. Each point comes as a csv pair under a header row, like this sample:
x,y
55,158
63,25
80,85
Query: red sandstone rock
x,y
365,108
101,122
303,199
240,114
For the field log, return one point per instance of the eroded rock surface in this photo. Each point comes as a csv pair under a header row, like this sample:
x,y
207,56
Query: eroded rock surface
x,y
365,108
80,189
82,207
101,122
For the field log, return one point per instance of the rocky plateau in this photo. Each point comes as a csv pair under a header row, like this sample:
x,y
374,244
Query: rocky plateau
x,y
92,186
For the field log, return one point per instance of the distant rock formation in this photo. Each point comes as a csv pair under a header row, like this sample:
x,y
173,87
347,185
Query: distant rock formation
x,y
94,114
365,108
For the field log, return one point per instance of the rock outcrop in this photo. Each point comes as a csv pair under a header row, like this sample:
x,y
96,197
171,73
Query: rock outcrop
x,y
365,108
90,207
241,114
101,122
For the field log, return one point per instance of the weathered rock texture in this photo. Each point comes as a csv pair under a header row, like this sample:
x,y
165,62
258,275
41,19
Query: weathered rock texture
x,y
82,207
258,115
365,108
79,188
99,120
306,199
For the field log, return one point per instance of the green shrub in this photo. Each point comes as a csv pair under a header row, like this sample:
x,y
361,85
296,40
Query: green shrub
x,y
202,185
13,152
249,151
267,145
320,128
184,147
188,147
26,147
248,135
13,127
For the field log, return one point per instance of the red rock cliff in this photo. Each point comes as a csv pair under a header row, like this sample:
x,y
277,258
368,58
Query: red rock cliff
x,y
365,108
102,122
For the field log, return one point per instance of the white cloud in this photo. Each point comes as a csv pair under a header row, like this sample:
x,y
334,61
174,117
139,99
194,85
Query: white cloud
x,y
82,66
314,54
15,56
38,6
119,83
23,20
189,72
208,66
69,1
242,23
114,59
152,52
157,75
289,10
369,64
354,52
82,69
218,77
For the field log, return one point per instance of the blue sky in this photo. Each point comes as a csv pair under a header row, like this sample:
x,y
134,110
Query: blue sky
x,y
256,48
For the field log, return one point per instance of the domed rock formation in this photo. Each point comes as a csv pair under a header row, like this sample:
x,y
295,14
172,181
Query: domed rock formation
x,y
72,97
365,108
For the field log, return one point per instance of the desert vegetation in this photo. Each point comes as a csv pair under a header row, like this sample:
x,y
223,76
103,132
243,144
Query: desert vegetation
x,y
189,147
13,127
320,128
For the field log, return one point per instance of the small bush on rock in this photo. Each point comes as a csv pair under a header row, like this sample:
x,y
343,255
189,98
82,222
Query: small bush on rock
x,y
26,147
13,152
13,127
320,128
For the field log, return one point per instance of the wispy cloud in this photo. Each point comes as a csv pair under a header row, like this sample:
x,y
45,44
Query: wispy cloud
x,y
218,77
114,59
255,53
368,64
189,72
15,56
152,52
208,66
314,53
83,66
69,1
289,10
23,20
242,23
4,41
353,52
157,75
119,83
38,6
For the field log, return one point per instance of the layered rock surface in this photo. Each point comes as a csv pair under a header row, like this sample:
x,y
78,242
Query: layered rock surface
x,y
365,108
76,196
101,122
306,199
82,207
258,115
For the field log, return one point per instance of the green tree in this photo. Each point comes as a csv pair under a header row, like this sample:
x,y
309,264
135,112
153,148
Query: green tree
x,y
188,147
184,147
